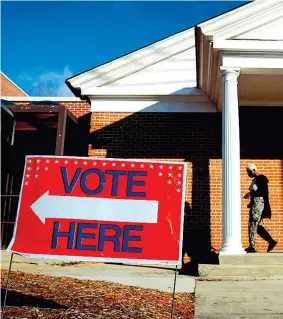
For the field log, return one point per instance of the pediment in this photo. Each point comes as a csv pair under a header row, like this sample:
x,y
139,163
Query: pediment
x,y
258,20
270,31
168,65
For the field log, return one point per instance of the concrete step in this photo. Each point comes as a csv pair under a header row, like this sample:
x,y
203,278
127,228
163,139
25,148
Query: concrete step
x,y
239,278
260,270
252,259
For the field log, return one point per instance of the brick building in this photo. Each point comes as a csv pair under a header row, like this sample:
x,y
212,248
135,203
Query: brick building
x,y
9,88
211,96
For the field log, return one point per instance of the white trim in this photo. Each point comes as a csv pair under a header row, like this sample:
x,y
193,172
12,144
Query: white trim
x,y
271,12
255,60
155,98
41,98
239,17
246,53
153,106
14,83
135,61
118,91
249,45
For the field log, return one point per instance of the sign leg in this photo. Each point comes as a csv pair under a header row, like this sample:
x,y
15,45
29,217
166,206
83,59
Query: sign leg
x,y
7,286
173,295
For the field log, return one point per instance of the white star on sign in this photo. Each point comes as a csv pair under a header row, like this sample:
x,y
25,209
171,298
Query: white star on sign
x,y
160,174
179,182
161,166
113,164
178,190
29,168
47,161
141,165
179,168
179,175
57,162
38,161
170,167
46,168
123,165
66,162
37,168
132,165
151,166
104,164
27,176
36,176
94,164
169,182
29,161
170,174
26,183
76,162
85,162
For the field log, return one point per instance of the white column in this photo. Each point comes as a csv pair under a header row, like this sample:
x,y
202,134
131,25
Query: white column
x,y
231,186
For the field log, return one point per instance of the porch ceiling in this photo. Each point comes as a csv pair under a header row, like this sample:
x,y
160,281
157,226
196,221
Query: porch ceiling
x,y
261,87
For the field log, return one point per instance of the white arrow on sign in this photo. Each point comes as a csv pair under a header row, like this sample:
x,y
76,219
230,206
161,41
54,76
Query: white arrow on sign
x,y
92,208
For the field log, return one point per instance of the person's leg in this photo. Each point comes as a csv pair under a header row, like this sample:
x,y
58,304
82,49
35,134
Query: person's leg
x,y
263,233
253,224
255,217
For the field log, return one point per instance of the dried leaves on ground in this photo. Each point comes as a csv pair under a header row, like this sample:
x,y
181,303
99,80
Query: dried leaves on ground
x,y
38,296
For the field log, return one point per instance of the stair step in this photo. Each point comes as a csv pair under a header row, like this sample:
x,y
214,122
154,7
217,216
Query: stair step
x,y
260,270
239,278
252,259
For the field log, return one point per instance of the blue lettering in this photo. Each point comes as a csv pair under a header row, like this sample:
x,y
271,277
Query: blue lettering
x,y
70,235
127,238
70,186
132,182
103,237
116,175
100,186
81,235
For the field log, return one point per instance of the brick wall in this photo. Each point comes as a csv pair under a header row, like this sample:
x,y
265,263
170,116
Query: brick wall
x,y
8,88
196,139
79,108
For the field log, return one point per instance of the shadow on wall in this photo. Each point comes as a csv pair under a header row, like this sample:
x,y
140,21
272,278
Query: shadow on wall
x,y
188,136
195,138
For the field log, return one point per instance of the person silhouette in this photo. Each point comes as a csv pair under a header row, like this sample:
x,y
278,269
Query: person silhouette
x,y
259,208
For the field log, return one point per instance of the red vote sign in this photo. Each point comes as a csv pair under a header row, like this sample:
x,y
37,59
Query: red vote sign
x,y
111,210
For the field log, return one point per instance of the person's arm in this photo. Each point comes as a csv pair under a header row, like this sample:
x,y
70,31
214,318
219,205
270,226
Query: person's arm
x,y
247,195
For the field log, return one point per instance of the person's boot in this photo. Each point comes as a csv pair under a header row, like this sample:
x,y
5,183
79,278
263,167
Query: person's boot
x,y
250,250
271,245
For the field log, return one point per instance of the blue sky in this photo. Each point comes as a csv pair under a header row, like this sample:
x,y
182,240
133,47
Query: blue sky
x,y
43,43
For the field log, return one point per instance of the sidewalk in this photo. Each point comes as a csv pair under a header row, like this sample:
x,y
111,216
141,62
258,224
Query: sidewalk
x,y
253,299
153,277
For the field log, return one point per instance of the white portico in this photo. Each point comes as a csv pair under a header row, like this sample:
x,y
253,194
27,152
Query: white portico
x,y
233,60
245,46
